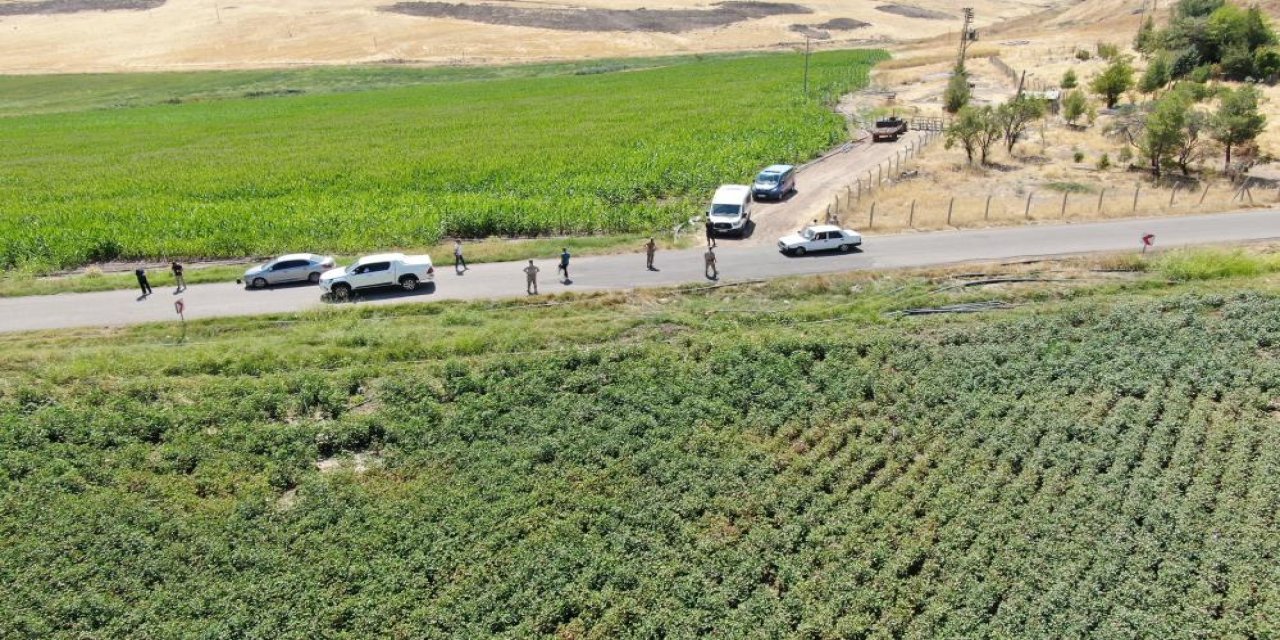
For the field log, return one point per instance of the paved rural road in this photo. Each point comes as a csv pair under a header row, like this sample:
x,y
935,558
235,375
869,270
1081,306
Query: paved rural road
x,y
740,262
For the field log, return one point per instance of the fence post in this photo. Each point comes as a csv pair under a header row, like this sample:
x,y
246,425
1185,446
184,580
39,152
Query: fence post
x,y
1063,212
1100,194
911,219
1136,190
1026,212
879,174
986,213
871,223
1173,193
859,189
951,205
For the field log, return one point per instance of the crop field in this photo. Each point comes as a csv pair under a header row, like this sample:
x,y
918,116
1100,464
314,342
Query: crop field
x,y
780,460
595,151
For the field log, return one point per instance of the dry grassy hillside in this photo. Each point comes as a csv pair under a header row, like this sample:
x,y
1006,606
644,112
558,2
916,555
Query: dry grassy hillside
x,y
112,35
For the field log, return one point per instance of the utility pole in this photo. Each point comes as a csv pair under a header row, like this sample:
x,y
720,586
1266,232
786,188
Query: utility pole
x,y
965,36
806,65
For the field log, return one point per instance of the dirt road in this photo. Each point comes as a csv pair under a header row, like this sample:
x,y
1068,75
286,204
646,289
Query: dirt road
x,y
817,183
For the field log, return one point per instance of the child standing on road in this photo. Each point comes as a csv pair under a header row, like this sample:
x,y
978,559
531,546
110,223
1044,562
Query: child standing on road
x,y
712,273
177,276
564,264
458,260
141,274
650,248
531,279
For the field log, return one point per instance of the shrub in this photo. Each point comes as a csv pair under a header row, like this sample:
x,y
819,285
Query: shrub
x,y
1083,54
1104,162
1078,156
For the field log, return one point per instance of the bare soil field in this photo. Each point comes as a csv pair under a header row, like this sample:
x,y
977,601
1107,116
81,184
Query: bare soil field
x,y
64,36
47,7
597,19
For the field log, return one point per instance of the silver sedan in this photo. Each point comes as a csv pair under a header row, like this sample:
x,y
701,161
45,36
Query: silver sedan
x,y
295,267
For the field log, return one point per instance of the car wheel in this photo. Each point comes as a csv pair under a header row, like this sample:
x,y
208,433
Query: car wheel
x,y
799,251
341,292
844,248
259,283
314,278
409,283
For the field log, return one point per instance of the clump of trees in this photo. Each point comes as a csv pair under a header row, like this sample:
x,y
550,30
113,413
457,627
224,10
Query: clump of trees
x,y
977,129
1214,38
1176,131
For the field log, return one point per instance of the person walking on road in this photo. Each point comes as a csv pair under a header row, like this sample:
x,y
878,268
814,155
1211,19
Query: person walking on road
x,y
711,235
650,249
141,274
712,273
177,276
531,279
564,265
458,260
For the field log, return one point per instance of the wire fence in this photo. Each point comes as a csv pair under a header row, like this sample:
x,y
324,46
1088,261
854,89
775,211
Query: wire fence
x,y
902,207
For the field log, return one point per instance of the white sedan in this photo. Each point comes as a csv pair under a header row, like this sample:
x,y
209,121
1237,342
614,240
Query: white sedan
x,y
820,237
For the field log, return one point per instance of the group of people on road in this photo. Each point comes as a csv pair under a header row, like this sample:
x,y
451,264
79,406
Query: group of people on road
x,y
145,285
532,270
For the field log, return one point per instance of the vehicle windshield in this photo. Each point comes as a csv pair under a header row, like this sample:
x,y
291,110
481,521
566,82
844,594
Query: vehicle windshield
x,y
806,233
768,178
725,209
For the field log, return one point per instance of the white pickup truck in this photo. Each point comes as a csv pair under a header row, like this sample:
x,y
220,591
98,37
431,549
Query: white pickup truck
x,y
381,270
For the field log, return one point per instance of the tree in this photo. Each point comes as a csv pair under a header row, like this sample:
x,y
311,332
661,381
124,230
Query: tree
x,y
1146,40
1127,127
1164,131
1114,81
957,94
1069,80
1156,75
975,129
1191,146
1237,120
1074,105
1015,115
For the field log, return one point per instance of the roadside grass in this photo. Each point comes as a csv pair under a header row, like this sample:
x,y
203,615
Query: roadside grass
x,y
604,153
781,458
1213,264
27,283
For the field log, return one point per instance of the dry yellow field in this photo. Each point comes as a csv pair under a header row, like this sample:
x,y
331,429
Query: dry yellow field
x,y
219,34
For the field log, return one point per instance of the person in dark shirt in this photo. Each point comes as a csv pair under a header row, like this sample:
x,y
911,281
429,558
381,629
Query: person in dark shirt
x,y
142,281
177,276
564,264
711,235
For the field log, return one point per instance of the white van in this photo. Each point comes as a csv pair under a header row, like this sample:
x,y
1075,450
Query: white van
x,y
730,210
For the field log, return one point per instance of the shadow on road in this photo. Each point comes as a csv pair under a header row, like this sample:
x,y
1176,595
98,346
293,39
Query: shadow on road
x,y
824,254
273,287
389,293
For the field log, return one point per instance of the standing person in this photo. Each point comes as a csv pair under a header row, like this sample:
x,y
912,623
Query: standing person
x,y
712,273
564,264
458,260
177,276
531,279
650,249
711,234
142,281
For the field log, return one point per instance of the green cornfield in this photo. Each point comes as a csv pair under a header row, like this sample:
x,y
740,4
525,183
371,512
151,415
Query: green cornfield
x,y
587,151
